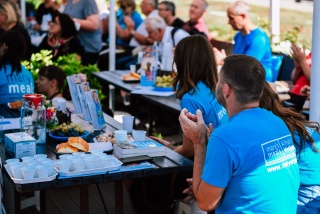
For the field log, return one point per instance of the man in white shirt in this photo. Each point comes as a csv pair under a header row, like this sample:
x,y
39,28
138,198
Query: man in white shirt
x,y
167,37
140,36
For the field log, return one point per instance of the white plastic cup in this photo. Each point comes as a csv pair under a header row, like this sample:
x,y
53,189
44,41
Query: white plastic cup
x,y
42,159
78,154
91,162
12,160
64,157
28,172
63,165
105,161
121,136
99,154
33,164
132,68
49,163
84,156
43,171
78,164
29,161
27,158
16,171
127,122
39,156
139,135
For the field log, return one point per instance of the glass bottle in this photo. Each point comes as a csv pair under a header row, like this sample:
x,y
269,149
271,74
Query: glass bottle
x,y
33,116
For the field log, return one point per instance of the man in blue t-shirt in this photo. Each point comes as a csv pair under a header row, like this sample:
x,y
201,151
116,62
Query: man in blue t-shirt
x,y
249,164
250,39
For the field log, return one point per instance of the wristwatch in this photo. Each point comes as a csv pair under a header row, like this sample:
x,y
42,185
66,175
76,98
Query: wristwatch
x,y
132,32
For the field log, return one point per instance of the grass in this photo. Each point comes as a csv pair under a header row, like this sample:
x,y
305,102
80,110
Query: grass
x,y
217,21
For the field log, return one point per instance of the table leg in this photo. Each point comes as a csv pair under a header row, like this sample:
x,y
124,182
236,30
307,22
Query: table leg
x,y
84,199
118,189
43,201
17,201
150,119
112,98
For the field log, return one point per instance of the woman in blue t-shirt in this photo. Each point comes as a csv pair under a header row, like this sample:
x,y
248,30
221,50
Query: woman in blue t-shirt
x,y
195,85
306,139
15,80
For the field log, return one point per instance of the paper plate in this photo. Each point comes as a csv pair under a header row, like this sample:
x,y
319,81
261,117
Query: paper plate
x,y
60,138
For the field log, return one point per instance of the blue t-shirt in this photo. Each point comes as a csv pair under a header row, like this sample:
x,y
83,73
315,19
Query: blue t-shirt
x,y
205,100
257,45
309,160
253,158
91,40
12,87
137,19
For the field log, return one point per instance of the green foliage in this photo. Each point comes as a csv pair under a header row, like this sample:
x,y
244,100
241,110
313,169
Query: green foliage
x,y
70,64
293,35
158,135
36,3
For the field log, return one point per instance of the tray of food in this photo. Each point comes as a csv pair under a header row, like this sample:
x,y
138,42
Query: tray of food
x,y
64,131
163,83
132,77
109,137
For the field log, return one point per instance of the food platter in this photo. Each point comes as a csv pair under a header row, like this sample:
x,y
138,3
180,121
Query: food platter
x,y
65,138
157,88
96,146
132,77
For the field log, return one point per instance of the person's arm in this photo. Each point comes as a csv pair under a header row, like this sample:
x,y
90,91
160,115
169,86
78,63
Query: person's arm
x,y
143,40
105,25
91,23
300,63
124,33
208,196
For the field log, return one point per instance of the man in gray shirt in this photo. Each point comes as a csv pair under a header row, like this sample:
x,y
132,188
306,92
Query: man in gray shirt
x,y
85,13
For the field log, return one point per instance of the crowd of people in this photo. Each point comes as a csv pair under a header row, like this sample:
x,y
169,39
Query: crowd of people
x,y
250,153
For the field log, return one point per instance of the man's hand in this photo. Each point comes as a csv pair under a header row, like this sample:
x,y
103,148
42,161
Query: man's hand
x,y
129,23
219,56
190,198
193,126
305,91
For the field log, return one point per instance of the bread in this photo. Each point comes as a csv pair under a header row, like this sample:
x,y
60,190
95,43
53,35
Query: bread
x,y
16,104
131,76
135,75
78,143
65,148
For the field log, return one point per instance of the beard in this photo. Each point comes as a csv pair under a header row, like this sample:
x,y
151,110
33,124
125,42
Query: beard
x,y
220,97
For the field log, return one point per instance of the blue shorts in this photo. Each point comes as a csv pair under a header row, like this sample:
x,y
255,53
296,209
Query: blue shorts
x,y
309,200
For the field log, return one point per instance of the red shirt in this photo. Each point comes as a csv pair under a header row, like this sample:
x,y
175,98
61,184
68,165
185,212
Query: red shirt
x,y
302,80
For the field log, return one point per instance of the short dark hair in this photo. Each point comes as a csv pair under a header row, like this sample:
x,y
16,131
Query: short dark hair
x,y
170,6
68,27
53,72
154,3
16,50
245,75
194,59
